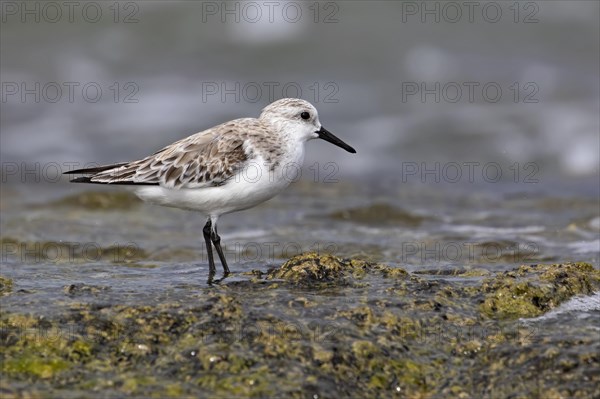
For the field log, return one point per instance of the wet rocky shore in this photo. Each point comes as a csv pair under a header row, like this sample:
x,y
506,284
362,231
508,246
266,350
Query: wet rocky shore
x,y
315,326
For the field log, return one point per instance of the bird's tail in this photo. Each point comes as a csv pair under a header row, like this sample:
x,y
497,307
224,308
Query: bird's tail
x,y
118,173
91,172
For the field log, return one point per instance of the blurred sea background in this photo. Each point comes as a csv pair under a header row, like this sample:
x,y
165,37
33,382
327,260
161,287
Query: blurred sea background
x,y
372,54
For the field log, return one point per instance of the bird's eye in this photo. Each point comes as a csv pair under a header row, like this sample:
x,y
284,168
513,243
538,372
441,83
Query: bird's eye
x,y
305,115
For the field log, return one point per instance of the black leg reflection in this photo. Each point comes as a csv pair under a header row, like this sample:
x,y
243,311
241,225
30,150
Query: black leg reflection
x,y
216,240
211,260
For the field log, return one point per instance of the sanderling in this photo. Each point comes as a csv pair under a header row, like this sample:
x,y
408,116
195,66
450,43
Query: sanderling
x,y
205,171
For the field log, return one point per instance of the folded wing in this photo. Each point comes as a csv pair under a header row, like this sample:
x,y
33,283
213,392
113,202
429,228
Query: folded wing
x,y
205,159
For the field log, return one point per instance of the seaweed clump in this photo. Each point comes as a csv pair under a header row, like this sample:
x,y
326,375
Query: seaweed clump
x,y
5,286
310,268
532,290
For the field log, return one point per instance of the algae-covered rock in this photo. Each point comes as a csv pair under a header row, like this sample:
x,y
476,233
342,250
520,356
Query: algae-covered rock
x,y
433,335
314,268
311,268
32,348
83,289
5,286
532,290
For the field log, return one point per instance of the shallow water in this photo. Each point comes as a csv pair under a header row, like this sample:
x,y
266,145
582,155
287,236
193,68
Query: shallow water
x,y
145,249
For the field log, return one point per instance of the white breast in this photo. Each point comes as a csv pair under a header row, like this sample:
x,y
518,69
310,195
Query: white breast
x,y
255,183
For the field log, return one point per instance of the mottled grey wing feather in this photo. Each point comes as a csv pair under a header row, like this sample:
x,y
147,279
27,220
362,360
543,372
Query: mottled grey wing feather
x,y
204,159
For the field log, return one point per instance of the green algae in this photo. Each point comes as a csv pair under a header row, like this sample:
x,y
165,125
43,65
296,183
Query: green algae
x,y
532,290
5,286
40,351
33,365
312,268
307,328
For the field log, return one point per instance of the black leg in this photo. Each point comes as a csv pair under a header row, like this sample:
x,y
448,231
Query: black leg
x,y
211,261
217,242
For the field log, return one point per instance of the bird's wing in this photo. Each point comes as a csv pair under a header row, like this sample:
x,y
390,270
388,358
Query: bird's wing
x,y
208,158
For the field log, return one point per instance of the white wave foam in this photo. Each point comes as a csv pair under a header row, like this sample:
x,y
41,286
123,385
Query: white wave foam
x,y
584,247
579,304
495,230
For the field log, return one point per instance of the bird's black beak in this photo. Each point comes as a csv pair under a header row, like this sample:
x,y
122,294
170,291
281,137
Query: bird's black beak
x,y
328,136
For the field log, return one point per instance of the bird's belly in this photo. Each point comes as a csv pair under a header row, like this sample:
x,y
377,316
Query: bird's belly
x,y
244,190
